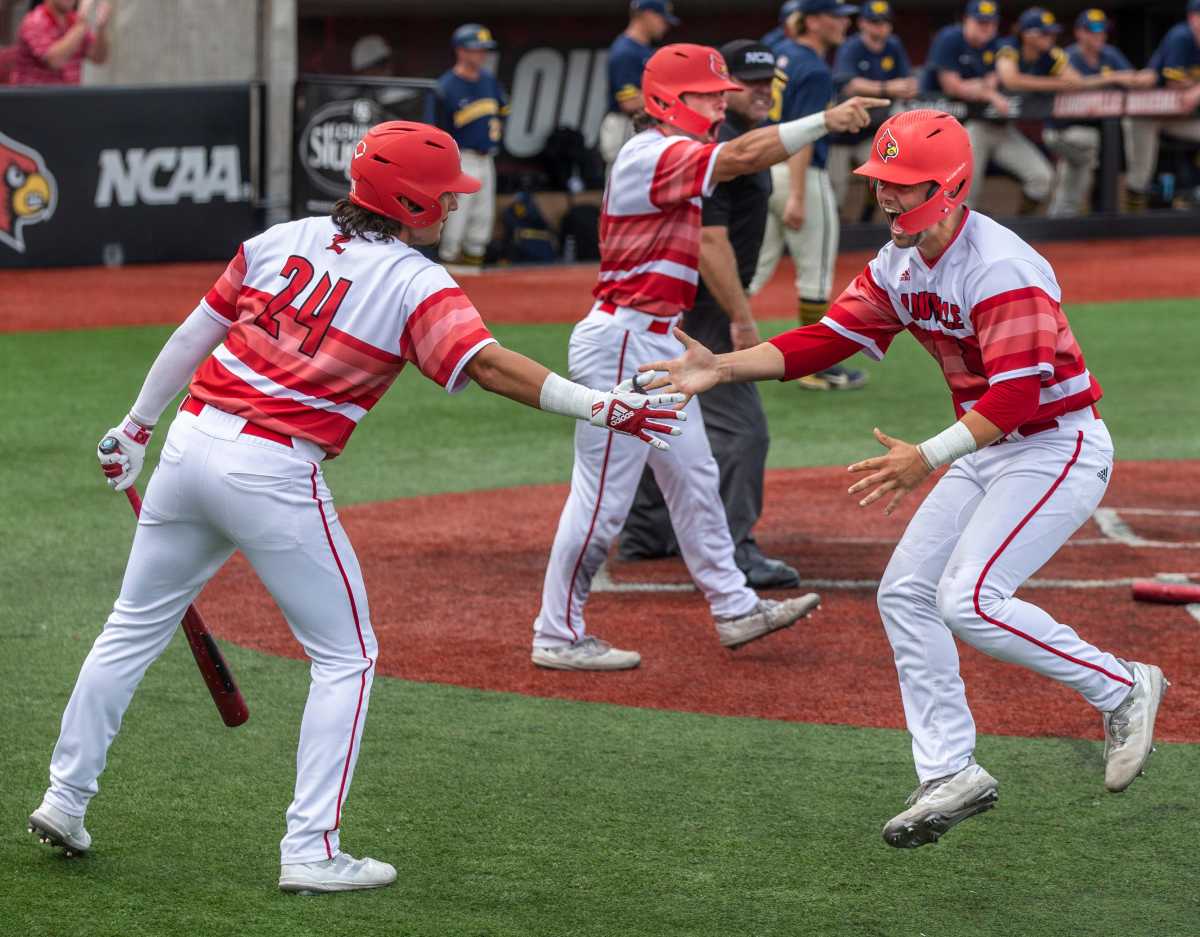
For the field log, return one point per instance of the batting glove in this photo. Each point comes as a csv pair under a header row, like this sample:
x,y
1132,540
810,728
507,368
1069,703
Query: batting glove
x,y
623,410
123,465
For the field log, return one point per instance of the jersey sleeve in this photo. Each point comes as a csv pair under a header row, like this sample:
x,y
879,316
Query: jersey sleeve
x,y
864,314
441,106
624,77
845,64
443,330
220,302
683,171
1115,59
1058,61
903,65
1175,56
1016,320
943,56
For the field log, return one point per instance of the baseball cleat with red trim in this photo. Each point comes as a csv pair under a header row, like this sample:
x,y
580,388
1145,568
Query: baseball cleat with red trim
x,y
1129,729
588,653
341,873
767,616
940,804
56,828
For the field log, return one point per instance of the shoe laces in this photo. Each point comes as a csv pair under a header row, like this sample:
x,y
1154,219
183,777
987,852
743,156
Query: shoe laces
x,y
925,788
592,646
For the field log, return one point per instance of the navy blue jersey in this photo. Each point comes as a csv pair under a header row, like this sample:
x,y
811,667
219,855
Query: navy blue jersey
x,y
774,37
472,112
1177,57
808,89
626,60
855,60
1048,64
950,52
1112,59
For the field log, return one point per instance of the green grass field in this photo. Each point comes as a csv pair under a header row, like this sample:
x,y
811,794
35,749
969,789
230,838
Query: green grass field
x,y
513,816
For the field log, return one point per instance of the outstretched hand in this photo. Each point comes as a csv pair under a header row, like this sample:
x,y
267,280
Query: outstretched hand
x,y
693,372
852,114
899,471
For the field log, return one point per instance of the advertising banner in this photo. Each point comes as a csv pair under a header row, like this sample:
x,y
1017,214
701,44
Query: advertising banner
x,y
126,175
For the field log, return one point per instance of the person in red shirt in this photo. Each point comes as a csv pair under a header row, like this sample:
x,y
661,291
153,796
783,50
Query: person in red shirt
x,y
54,38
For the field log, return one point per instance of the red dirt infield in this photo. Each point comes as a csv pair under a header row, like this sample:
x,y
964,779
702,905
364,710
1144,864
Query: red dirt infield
x,y
156,294
455,582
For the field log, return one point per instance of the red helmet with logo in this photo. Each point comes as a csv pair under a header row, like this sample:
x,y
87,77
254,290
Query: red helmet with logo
x,y
676,70
401,169
923,146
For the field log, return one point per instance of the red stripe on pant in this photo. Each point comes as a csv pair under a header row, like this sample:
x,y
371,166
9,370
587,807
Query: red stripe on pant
x,y
599,495
1007,540
362,684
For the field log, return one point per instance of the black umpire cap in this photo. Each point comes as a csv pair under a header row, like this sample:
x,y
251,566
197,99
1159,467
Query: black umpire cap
x,y
748,60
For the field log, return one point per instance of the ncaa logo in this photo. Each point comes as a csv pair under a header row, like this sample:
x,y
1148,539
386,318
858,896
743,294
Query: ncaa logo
x,y
887,147
28,192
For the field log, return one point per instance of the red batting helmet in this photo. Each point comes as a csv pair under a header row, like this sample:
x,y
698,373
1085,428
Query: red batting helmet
x,y
677,69
923,146
400,164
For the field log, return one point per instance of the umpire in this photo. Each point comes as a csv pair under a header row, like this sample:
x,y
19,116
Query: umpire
x,y
734,218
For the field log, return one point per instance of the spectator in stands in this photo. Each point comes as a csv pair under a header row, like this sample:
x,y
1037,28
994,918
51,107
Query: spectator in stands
x,y
779,33
472,106
371,55
1077,143
961,65
649,23
1177,63
54,38
871,63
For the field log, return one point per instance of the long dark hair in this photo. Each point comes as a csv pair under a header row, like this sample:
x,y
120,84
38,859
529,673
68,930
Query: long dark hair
x,y
355,221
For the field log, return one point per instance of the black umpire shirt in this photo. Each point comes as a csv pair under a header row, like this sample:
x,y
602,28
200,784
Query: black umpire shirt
x,y
740,205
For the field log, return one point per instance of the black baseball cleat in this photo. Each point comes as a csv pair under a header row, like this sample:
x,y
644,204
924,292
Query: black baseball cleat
x,y
938,805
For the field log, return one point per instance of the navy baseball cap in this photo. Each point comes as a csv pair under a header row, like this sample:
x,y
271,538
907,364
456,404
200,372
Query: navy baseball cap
x,y
748,60
792,6
1094,21
832,7
662,7
1193,6
1035,18
986,10
473,36
878,11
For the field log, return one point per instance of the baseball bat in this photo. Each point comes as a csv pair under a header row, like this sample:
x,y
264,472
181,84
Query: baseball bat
x,y
217,675
1168,593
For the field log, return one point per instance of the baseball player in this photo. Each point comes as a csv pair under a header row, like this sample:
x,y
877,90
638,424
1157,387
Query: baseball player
x,y
471,107
1029,461
649,22
803,211
775,36
961,64
1176,61
873,61
311,322
649,256
733,220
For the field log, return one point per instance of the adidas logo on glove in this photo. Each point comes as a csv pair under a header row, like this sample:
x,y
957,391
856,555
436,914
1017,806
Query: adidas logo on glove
x,y
619,414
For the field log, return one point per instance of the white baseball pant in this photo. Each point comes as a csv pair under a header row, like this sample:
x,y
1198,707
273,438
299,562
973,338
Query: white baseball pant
x,y
604,350
1141,146
1003,144
217,490
813,248
468,230
1078,150
990,523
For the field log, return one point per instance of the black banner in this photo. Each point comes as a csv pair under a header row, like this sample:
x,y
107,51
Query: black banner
x,y
126,175
331,116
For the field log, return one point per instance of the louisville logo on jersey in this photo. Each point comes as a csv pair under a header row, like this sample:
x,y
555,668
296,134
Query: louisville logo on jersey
x,y
28,192
887,146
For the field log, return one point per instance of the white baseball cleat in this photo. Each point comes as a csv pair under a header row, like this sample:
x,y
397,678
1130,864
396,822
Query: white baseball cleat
x,y
56,828
939,804
1129,729
588,653
341,873
767,616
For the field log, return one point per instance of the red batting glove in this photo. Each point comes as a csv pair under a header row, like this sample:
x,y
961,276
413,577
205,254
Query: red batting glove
x,y
638,415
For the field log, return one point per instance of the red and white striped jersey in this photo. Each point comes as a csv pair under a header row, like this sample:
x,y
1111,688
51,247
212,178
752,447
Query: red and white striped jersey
x,y
650,223
321,324
987,309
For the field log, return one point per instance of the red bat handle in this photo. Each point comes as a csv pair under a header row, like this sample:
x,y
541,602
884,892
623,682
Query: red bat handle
x,y
135,500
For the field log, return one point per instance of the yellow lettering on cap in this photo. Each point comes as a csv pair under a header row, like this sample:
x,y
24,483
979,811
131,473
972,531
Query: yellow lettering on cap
x,y
485,35
1047,17
986,8
1096,16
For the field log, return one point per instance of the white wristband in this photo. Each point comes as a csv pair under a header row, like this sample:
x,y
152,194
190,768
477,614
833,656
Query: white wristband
x,y
565,397
948,445
795,135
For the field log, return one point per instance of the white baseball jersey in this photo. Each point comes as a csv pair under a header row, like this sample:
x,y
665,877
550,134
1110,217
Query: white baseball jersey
x,y
987,309
650,223
321,324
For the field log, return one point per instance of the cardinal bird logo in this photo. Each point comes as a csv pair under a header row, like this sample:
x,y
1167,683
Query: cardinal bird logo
x,y
887,147
717,64
28,192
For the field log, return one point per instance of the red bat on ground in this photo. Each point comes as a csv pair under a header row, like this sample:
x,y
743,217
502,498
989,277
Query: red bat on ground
x,y
217,675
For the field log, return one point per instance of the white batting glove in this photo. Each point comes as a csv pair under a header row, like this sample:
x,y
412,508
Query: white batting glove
x,y
123,465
